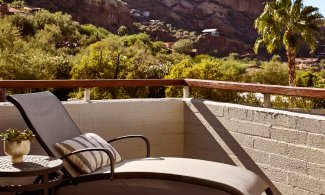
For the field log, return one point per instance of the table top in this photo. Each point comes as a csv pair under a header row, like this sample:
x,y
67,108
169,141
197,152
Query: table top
x,y
32,165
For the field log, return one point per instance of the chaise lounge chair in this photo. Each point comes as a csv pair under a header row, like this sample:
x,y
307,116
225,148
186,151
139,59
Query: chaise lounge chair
x,y
47,118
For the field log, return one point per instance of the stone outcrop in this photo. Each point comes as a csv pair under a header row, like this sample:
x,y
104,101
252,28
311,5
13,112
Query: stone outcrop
x,y
219,46
110,14
250,6
234,19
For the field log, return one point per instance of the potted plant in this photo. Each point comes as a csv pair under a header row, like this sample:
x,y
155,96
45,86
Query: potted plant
x,y
17,143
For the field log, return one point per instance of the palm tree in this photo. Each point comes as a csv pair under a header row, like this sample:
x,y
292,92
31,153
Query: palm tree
x,y
288,23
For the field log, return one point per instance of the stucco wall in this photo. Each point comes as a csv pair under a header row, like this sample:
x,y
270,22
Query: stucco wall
x,y
159,119
286,148
11,118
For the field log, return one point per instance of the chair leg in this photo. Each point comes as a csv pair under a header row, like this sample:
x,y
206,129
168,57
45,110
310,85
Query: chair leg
x,y
30,193
268,191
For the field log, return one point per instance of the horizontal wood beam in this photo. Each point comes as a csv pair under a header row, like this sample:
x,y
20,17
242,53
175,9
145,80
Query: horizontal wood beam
x,y
258,88
90,83
233,86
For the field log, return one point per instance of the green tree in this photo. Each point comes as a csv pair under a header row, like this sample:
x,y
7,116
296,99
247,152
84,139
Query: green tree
x,y
310,79
288,23
17,4
30,57
184,46
102,60
209,68
307,79
122,31
117,57
13,59
159,47
23,23
48,37
276,58
131,39
8,36
272,73
233,56
62,22
91,34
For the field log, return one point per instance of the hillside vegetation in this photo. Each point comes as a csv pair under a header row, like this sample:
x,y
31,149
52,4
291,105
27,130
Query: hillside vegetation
x,y
52,46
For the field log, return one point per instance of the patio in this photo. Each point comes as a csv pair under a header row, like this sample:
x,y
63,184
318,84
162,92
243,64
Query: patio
x,y
285,148
140,186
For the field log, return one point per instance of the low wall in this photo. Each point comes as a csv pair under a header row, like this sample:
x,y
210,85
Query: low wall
x,y
161,120
286,148
11,118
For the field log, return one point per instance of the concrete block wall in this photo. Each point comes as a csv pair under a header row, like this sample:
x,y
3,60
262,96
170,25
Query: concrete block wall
x,y
285,148
161,120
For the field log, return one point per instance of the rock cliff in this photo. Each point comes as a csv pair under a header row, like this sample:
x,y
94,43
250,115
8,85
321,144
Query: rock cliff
x,y
110,14
233,18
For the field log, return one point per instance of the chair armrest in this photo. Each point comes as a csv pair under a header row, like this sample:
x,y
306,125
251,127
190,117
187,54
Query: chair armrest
x,y
107,151
145,139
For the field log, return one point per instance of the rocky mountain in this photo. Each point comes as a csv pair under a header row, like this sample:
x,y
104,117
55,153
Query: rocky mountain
x,y
110,14
233,18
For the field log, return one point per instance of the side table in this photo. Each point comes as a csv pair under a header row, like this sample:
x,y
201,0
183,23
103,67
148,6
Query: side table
x,y
33,165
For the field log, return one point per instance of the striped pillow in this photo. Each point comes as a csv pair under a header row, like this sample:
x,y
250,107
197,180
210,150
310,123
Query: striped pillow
x,y
88,162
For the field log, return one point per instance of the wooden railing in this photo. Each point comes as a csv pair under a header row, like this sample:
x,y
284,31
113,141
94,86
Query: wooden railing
x,y
267,90
84,83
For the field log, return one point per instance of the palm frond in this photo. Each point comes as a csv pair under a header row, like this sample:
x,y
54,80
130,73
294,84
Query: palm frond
x,y
257,44
309,37
287,22
307,10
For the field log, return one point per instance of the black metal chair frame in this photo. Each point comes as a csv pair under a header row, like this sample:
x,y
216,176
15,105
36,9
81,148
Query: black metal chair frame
x,y
68,177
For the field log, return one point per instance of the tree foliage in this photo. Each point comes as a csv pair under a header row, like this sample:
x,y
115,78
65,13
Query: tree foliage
x,y
53,46
272,73
210,69
122,31
184,46
127,57
288,23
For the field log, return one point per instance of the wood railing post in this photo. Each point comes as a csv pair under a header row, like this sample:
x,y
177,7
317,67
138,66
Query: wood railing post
x,y
186,92
3,94
87,94
267,100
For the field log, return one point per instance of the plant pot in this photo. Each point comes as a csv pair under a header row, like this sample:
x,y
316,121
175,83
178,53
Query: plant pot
x,y
16,150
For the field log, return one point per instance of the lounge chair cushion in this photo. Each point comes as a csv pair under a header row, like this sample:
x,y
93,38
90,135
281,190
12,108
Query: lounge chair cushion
x,y
87,162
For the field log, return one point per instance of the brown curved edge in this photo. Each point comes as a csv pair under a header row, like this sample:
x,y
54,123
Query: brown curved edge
x,y
179,178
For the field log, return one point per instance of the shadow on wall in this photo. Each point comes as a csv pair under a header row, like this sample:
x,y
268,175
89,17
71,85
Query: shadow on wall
x,y
208,139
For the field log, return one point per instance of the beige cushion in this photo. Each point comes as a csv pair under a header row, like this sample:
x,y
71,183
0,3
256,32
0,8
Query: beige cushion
x,y
88,162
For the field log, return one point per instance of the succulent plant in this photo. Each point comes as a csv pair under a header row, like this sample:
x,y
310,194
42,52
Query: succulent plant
x,y
18,136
